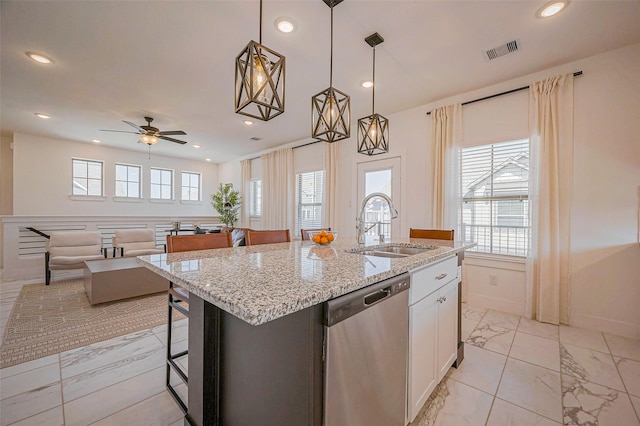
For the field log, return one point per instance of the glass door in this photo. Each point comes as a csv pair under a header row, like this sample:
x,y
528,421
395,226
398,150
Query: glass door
x,y
380,176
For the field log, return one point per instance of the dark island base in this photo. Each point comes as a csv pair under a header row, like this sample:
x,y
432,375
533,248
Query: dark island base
x,y
241,374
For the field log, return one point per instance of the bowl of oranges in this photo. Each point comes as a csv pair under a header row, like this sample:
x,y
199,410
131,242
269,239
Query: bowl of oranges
x,y
323,237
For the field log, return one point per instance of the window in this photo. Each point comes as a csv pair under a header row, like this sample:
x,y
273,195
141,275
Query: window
x,y
377,216
309,198
128,181
161,184
495,197
87,177
190,186
255,198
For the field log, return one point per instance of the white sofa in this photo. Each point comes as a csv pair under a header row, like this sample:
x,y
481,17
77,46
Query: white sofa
x,y
69,250
135,242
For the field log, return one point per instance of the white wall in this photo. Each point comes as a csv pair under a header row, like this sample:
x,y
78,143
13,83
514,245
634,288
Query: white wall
x,y
605,286
42,180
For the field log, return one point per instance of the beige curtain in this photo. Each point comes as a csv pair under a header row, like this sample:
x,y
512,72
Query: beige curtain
x,y
245,178
331,184
446,136
278,191
551,139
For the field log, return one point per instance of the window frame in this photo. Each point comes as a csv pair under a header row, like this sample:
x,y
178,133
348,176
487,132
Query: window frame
x,y
127,165
253,211
300,205
160,185
87,161
182,186
494,201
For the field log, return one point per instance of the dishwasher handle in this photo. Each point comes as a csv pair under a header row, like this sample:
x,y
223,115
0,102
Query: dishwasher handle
x,y
345,306
376,296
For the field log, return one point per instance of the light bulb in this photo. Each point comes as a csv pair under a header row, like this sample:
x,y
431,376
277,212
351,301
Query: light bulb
x,y
262,66
331,113
149,139
373,130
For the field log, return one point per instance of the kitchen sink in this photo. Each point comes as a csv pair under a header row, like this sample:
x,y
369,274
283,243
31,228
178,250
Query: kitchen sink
x,y
391,251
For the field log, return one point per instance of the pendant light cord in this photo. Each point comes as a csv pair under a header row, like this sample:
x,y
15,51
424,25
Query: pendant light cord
x,y
373,97
260,39
331,56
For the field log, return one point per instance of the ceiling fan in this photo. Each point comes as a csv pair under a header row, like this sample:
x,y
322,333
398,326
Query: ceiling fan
x,y
150,134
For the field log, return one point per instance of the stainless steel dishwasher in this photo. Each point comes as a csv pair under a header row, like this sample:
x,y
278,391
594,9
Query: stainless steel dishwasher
x,y
366,355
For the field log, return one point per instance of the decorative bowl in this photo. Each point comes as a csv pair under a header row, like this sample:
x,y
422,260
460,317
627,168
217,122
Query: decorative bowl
x,y
323,238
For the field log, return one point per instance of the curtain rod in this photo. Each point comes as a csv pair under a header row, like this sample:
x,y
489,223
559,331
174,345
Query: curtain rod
x,y
295,147
575,74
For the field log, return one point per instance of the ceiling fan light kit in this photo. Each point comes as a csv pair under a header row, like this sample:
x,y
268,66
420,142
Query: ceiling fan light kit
x,y
331,108
149,134
373,130
259,80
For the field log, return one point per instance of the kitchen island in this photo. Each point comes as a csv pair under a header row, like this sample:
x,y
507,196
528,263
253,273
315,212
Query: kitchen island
x,y
256,322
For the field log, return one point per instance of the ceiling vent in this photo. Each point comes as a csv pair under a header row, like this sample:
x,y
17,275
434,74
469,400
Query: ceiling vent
x,y
505,49
255,138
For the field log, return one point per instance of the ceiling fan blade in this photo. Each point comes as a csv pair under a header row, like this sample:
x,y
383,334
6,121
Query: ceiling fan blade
x,y
140,129
119,131
172,140
172,132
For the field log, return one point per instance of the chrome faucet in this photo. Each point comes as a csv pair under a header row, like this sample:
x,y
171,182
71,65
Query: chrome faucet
x,y
361,229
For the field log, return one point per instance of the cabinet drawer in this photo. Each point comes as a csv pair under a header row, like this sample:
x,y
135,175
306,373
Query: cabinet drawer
x,y
429,279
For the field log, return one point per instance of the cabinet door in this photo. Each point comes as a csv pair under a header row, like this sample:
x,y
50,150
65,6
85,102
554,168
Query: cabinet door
x,y
447,302
422,374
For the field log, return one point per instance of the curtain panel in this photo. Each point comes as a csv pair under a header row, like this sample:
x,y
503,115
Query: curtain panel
x,y
245,178
445,166
278,190
331,176
550,189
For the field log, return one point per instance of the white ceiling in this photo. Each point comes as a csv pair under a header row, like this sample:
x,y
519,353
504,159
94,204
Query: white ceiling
x,y
174,61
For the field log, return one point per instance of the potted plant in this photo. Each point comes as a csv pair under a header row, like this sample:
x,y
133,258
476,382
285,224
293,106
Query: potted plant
x,y
226,201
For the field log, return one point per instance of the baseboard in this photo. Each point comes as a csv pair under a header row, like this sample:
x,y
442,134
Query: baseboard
x,y
495,303
606,325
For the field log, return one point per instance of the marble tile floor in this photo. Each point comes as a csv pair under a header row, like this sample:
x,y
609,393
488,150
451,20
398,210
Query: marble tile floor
x,y
525,373
515,372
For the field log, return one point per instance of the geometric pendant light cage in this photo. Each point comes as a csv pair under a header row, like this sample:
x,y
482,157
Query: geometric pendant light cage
x,y
373,130
260,77
331,108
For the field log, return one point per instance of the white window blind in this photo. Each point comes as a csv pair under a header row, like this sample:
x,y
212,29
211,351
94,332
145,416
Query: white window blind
x,y
87,177
309,200
495,197
128,181
161,184
255,198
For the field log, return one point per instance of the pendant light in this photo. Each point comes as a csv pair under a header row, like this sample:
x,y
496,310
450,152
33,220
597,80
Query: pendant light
x,y
259,80
331,108
373,130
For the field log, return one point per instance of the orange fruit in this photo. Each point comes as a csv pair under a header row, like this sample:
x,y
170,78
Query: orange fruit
x,y
316,238
330,236
324,240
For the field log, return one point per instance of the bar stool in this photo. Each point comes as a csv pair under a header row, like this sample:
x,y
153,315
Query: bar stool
x,y
179,298
434,234
267,237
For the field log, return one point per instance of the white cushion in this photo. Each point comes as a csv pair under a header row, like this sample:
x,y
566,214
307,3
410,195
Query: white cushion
x,y
71,262
143,252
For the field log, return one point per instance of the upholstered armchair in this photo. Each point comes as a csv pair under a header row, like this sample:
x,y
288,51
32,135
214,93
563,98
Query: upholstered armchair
x,y
135,242
69,250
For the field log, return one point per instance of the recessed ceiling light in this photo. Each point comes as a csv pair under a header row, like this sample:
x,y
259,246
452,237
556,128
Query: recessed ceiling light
x,y
367,84
248,122
43,116
208,159
285,25
196,146
40,58
96,140
551,8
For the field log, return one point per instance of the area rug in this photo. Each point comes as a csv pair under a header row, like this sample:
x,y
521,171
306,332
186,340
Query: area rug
x,y
51,319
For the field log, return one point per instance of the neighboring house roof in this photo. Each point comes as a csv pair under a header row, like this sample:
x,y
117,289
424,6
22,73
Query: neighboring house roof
x,y
520,160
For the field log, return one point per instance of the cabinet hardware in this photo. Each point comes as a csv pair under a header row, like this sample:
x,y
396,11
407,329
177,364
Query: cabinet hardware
x,y
441,276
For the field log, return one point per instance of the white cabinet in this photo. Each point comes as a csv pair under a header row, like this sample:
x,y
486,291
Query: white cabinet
x,y
433,330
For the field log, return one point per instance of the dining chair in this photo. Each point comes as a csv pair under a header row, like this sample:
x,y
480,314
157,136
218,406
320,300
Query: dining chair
x,y
179,296
433,234
267,237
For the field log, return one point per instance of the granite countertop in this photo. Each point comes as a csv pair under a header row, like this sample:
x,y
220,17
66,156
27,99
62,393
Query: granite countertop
x,y
261,283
